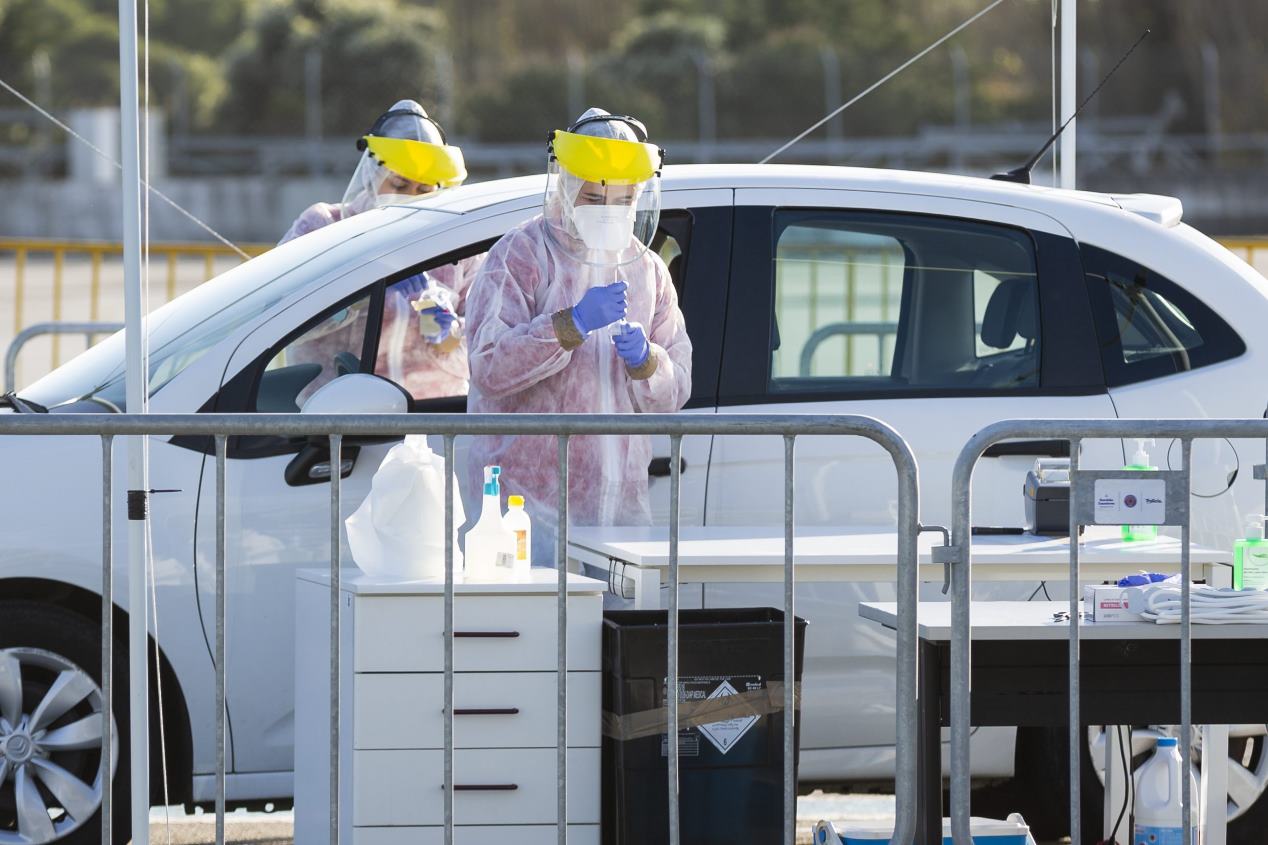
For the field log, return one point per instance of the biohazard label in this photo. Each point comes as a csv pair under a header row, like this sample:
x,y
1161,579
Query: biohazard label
x,y
726,733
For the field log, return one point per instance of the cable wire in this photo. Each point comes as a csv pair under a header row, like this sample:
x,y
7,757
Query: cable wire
x,y
1053,77
145,372
119,166
886,78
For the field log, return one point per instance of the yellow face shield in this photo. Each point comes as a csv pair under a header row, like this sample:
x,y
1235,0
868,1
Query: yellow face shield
x,y
418,161
605,160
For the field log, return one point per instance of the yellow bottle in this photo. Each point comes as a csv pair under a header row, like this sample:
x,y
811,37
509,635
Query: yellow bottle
x,y
518,523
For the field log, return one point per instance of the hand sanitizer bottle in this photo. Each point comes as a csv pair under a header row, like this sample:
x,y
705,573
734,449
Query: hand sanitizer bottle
x,y
1140,463
1250,557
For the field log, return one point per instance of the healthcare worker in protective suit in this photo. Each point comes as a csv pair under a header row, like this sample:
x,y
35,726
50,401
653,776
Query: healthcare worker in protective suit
x,y
573,313
405,157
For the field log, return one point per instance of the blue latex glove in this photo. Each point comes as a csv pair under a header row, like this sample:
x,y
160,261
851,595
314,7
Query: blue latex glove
x,y
631,344
600,307
1141,579
444,318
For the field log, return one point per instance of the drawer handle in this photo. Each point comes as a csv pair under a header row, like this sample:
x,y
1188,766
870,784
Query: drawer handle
x,y
483,787
495,635
485,711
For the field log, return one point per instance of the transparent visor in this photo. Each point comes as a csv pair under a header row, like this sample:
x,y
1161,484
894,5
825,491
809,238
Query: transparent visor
x,y
601,224
374,185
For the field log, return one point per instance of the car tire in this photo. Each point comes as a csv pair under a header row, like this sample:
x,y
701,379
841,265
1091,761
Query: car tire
x,y
50,645
1042,790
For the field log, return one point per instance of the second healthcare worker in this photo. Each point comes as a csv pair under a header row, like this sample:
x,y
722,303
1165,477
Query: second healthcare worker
x,y
404,157
572,312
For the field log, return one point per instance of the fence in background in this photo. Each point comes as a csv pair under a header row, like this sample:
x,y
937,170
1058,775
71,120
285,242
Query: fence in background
x,y
1250,249
57,281
337,427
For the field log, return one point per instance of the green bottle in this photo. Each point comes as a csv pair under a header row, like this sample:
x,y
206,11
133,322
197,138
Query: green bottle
x,y
1140,463
1250,557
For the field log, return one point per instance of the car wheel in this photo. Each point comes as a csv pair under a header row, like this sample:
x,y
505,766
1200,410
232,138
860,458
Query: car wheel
x,y
52,773
1043,783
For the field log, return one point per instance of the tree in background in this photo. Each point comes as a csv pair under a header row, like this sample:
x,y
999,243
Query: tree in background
x,y
520,68
372,53
66,52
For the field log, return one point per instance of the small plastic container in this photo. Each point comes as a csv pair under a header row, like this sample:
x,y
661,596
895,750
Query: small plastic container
x,y
432,296
517,522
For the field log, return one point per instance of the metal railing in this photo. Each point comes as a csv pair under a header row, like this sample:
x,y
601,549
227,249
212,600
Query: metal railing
x,y
90,331
562,427
95,254
960,556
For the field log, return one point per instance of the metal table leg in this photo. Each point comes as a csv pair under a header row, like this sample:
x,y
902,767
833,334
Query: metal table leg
x,y
929,747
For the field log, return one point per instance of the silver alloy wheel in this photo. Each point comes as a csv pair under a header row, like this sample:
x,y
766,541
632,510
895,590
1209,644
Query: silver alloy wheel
x,y
51,765
1247,758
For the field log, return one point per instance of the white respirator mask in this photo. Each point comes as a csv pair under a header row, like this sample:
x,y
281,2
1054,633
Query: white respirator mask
x,y
608,228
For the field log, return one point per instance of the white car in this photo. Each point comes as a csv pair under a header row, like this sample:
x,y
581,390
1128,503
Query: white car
x,y
939,304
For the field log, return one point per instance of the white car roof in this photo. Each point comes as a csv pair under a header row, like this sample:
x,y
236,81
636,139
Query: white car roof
x,y
1056,202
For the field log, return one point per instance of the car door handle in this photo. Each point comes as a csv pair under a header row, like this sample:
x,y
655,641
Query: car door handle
x,y
1029,449
312,465
485,711
660,467
483,787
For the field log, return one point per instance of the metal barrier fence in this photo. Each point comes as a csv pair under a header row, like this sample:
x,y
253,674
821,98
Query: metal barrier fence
x,y
90,331
72,260
564,426
960,556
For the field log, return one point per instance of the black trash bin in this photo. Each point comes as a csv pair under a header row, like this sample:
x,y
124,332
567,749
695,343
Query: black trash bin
x,y
730,768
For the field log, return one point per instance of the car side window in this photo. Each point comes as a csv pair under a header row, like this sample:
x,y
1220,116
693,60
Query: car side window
x,y
409,352
672,242
331,347
1147,325
886,302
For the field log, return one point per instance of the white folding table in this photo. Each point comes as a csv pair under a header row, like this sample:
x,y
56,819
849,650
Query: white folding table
x,y
748,554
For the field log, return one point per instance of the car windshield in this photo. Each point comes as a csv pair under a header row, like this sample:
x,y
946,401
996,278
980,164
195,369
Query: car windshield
x,y
183,330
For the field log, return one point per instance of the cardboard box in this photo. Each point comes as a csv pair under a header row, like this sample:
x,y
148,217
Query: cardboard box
x,y
1112,603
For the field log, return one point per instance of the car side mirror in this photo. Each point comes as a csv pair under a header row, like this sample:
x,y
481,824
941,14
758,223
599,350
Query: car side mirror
x,y
354,393
359,393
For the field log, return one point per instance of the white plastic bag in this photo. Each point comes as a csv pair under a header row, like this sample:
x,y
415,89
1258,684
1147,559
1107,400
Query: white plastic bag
x,y
399,530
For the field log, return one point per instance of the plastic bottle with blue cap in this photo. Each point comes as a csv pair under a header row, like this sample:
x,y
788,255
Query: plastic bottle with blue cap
x,y
490,549
1159,795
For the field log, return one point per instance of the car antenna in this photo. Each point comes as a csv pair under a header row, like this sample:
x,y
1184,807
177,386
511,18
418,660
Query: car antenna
x,y
1022,174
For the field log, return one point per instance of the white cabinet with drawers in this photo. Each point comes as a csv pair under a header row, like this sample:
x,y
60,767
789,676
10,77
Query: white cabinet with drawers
x,y
392,721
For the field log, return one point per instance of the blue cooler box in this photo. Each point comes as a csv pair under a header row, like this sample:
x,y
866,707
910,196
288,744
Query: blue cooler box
x,y
985,832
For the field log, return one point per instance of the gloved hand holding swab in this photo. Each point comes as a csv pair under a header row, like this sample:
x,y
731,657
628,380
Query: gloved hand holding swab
x,y
631,343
